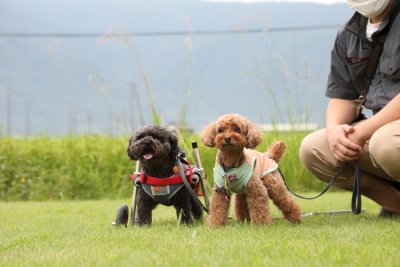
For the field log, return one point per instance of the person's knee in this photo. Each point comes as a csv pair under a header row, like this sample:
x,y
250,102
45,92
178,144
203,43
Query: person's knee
x,y
315,155
378,147
306,151
384,146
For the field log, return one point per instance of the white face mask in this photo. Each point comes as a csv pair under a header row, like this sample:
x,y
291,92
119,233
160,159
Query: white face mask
x,y
368,8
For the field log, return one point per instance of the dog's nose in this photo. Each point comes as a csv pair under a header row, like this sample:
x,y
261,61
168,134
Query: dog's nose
x,y
147,141
227,140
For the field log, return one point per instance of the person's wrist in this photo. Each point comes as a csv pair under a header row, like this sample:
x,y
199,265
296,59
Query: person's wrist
x,y
360,133
330,128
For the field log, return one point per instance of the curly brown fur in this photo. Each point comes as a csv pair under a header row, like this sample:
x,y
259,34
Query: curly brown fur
x,y
231,134
156,149
276,150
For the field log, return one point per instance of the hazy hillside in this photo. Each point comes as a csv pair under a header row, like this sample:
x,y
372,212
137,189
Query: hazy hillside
x,y
54,84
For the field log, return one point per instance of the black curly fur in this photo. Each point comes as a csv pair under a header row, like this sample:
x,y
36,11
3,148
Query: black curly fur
x,y
163,145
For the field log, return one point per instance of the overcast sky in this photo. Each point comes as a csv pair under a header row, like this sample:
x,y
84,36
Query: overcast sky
x,y
325,2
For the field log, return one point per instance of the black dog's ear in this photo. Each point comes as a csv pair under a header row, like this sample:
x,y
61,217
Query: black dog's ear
x,y
129,150
208,135
173,141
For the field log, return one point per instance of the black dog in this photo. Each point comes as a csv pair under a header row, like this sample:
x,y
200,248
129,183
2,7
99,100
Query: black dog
x,y
157,149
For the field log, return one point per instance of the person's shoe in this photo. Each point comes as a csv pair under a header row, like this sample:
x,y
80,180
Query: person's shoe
x,y
384,213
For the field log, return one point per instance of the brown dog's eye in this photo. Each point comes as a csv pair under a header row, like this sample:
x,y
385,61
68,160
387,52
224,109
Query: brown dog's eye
x,y
236,129
221,130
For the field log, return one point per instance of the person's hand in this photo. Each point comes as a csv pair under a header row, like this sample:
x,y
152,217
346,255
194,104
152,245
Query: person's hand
x,y
359,136
343,148
356,138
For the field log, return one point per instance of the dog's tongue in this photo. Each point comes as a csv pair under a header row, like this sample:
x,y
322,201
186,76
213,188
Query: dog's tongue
x,y
148,156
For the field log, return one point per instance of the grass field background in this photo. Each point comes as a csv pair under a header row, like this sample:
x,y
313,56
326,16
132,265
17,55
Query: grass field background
x,y
97,167
79,233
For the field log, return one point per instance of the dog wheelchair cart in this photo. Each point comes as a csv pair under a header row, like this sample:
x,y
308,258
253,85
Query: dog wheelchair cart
x,y
193,178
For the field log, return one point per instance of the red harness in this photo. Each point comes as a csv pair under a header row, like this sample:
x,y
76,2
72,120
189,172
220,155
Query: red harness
x,y
174,179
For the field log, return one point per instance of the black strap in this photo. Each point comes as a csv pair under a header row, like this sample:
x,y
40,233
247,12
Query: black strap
x,y
356,196
189,187
373,61
323,191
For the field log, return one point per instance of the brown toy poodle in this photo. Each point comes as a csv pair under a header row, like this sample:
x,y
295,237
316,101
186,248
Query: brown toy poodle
x,y
253,176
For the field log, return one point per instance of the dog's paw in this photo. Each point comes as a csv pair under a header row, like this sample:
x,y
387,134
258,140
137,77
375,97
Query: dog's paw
x,y
295,220
217,222
294,216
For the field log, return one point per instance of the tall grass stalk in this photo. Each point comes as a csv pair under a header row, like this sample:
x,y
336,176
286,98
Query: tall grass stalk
x,y
260,75
286,105
125,38
113,106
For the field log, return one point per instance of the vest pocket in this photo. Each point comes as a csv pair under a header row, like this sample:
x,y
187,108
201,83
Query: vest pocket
x,y
356,67
390,67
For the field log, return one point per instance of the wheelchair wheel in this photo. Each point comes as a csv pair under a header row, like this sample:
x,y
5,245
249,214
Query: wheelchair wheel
x,y
122,216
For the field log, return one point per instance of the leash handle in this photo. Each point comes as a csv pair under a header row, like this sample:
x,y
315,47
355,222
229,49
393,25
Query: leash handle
x,y
356,196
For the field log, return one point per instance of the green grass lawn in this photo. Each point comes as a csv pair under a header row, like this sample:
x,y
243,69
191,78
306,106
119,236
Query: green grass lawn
x,y
79,233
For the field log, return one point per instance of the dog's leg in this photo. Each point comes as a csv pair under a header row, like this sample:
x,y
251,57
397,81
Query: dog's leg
x,y
281,197
219,208
197,211
184,214
145,207
183,206
241,208
257,201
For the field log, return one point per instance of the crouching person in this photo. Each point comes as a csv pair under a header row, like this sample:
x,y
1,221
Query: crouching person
x,y
349,137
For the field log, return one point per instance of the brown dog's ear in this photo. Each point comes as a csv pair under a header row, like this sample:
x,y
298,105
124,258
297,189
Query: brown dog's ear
x,y
253,135
129,151
208,135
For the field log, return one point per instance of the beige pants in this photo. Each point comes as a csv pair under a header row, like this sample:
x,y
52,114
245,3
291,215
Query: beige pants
x,y
379,162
